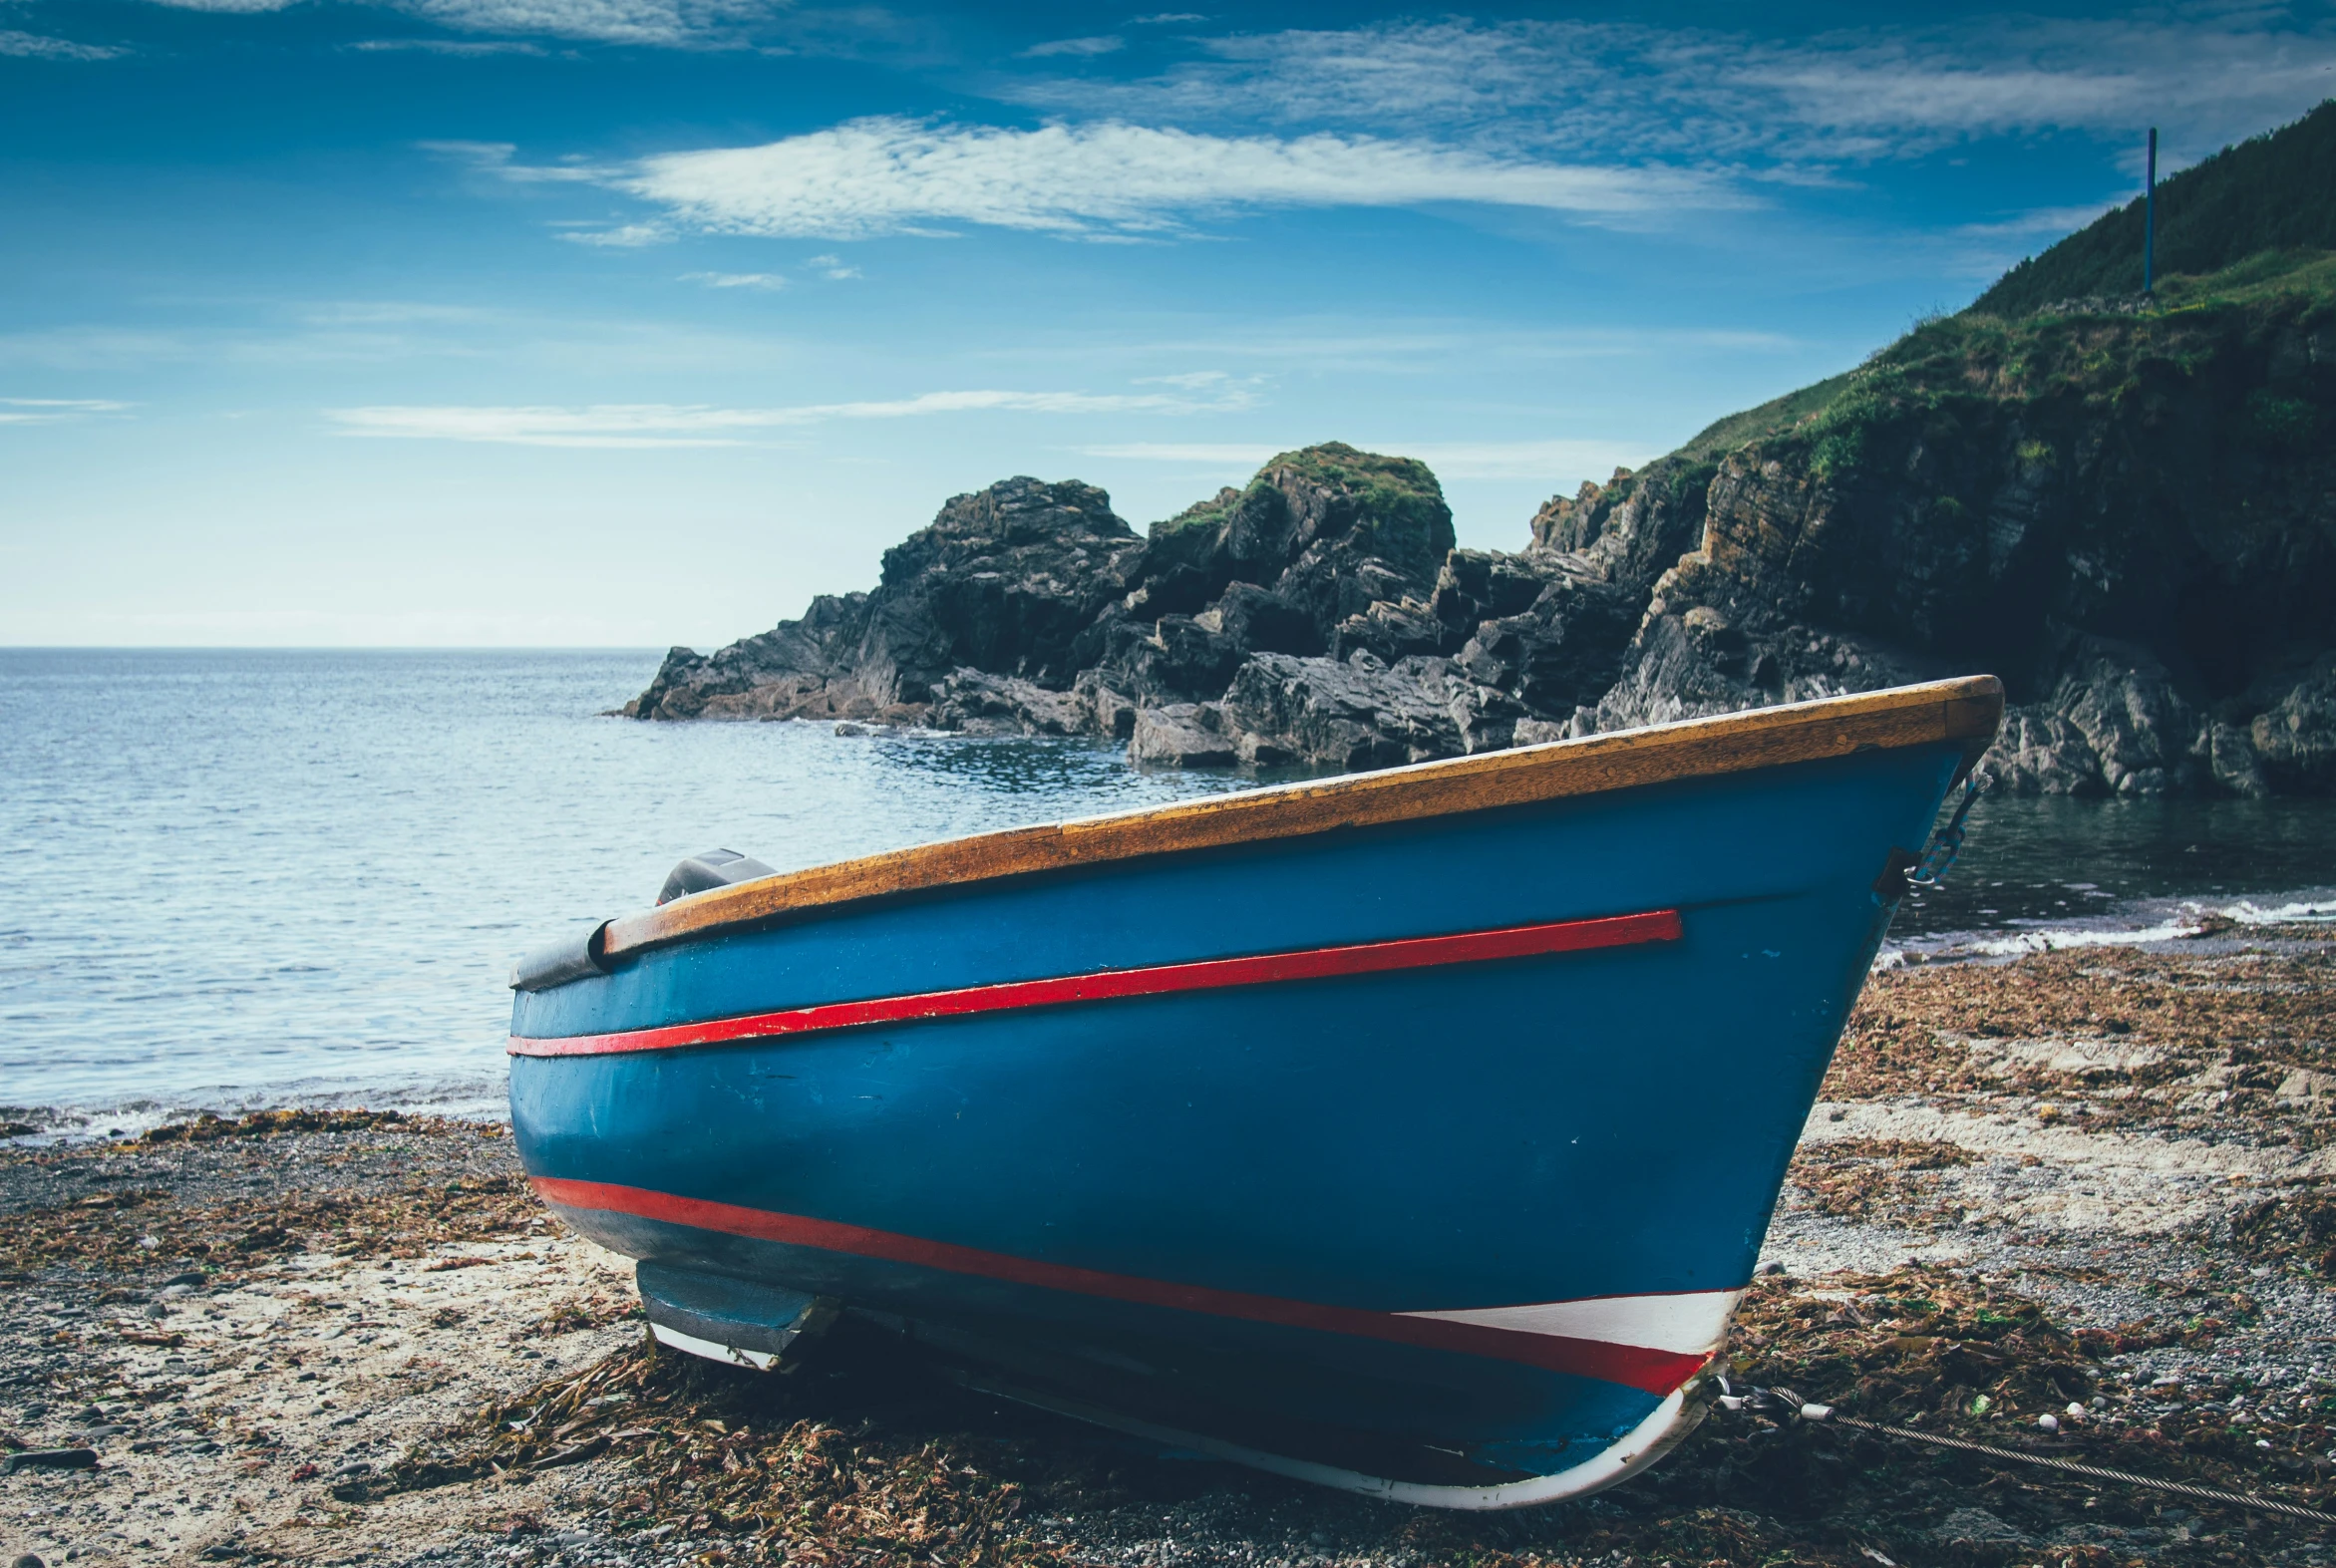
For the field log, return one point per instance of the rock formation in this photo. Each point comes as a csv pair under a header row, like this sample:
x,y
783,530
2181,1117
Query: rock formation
x,y
2126,510
1318,618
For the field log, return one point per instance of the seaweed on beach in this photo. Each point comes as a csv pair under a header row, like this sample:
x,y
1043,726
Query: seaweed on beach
x,y
775,1466
1871,1178
865,1455
159,1224
2110,1038
209,1128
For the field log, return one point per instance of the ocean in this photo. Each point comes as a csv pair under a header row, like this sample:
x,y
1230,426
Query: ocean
x,y
240,878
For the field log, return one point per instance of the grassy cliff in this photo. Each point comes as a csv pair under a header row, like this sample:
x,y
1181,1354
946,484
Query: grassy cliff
x,y
2274,192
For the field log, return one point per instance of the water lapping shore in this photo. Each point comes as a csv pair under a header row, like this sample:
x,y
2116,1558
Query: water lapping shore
x,y
2100,1179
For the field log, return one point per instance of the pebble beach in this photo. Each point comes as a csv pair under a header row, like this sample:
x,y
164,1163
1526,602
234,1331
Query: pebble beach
x,y
2080,1204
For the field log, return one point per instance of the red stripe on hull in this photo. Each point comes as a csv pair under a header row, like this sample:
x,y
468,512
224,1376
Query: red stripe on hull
x,y
1419,952
1654,1371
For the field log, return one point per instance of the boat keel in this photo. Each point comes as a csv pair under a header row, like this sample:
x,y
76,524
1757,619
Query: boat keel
x,y
744,1323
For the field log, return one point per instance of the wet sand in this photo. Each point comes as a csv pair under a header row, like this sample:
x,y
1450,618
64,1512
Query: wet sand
x,y
2103,1178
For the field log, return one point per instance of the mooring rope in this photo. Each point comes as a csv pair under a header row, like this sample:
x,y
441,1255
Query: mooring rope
x,y
1769,1402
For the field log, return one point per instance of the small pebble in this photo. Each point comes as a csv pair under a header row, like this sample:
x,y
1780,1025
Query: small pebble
x,y
2049,1421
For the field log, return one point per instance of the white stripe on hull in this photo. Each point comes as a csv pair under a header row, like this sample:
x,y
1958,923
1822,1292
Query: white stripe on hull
x,y
1691,1323
712,1350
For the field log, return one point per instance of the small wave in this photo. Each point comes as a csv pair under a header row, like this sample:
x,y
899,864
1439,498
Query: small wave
x,y
2145,922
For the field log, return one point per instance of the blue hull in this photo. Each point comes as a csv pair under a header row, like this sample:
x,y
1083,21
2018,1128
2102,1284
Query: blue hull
x,y
1456,1231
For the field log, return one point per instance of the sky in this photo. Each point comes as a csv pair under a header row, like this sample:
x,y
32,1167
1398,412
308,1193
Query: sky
x,y
638,322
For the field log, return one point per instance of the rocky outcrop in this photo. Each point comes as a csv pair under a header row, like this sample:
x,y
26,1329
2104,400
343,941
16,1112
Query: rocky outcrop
x,y
2132,518
1317,618
1004,582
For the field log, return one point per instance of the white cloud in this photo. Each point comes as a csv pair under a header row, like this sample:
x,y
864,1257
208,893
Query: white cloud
x,y
449,45
2040,221
1163,18
1191,380
894,175
662,23
1619,90
629,236
32,46
835,267
52,411
654,425
754,280
1075,47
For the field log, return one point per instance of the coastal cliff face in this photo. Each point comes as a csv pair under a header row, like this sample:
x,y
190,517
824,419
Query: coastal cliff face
x,y
2132,518
2129,515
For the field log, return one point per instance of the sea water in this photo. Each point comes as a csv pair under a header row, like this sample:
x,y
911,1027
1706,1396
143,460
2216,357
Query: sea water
x,y
238,878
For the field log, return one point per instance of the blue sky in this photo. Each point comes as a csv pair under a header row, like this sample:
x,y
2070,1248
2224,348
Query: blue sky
x,y
640,321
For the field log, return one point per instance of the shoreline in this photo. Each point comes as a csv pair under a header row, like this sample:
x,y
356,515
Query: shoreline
x,y
2104,1176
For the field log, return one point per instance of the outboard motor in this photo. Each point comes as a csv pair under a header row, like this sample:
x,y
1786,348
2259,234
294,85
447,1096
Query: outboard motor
x,y
714,868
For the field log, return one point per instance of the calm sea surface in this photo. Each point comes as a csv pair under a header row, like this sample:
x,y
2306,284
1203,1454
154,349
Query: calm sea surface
x,y
230,878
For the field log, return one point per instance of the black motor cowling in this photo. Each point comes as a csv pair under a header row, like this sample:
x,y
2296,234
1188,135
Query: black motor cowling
x,y
714,868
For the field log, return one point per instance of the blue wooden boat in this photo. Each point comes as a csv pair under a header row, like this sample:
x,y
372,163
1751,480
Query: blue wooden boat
x,y
1411,1131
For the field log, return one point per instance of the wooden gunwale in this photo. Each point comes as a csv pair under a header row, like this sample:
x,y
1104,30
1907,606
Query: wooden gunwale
x,y
1966,710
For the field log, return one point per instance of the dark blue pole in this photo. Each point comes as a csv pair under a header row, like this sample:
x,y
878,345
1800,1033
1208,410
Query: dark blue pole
x,y
2149,221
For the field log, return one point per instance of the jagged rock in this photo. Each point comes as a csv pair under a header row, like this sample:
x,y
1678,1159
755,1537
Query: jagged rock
x,y
1688,661
2235,763
2145,736
1558,650
1635,527
973,702
2040,753
1003,581
1361,712
2296,738
1184,734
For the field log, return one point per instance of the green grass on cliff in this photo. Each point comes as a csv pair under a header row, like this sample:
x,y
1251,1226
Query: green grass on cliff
x,y
1399,501
2092,358
2276,193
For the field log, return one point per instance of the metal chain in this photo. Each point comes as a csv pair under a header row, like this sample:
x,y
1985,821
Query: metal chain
x,y
1949,842
1769,1402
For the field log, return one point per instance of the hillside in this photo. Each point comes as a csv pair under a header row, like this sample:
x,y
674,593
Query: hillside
x,y
2273,192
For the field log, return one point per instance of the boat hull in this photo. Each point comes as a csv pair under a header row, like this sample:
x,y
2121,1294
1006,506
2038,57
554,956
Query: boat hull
x,y
1455,1229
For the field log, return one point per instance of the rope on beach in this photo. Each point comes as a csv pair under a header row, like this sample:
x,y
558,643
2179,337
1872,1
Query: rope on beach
x,y
1771,1401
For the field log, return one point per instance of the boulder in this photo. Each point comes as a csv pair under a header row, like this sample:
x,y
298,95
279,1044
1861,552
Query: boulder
x,y
2295,738
1183,735
1361,712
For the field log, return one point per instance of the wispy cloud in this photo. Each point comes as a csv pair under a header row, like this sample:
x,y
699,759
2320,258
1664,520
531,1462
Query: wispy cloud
x,y
662,23
1618,90
449,46
894,175
1075,47
1163,18
2038,221
650,425
625,237
835,267
752,280
33,46
55,411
